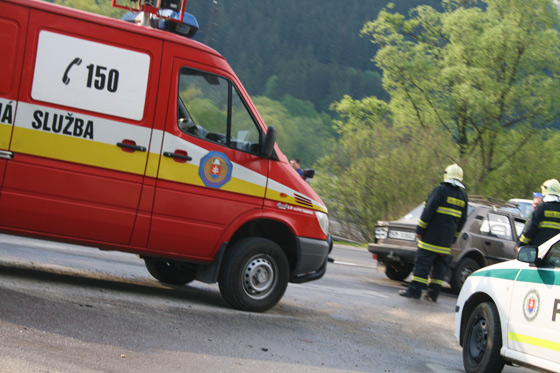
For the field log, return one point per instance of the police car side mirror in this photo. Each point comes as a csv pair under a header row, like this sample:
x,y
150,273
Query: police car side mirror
x,y
528,254
269,140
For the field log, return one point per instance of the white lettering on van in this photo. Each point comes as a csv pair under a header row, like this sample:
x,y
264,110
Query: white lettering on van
x,y
285,206
6,113
64,124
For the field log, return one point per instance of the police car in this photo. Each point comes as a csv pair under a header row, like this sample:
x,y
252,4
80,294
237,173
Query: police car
x,y
510,312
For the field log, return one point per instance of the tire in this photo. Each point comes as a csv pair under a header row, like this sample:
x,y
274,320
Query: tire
x,y
482,340
168,272
463,270
398,272
254,274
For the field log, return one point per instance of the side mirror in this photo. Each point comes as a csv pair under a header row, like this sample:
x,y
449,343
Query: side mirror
x,y
528,254
269,140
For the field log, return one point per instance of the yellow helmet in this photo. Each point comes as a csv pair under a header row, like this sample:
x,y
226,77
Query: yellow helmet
x,y
551,186
453,172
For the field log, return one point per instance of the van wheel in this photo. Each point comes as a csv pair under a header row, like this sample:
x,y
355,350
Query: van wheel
x,y
398,272
463,270
168,272
254,274
482,340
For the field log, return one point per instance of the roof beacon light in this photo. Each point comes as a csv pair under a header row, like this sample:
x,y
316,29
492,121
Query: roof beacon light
x,y
172,23
166,15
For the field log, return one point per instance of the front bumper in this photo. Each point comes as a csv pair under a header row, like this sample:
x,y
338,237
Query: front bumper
x,y
312,257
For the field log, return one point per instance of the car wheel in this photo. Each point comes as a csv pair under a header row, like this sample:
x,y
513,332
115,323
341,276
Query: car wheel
x,y
482,340
168,272
254,274
463,270
398,272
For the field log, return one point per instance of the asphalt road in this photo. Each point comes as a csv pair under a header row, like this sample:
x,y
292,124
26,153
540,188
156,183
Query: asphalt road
x,y
66,308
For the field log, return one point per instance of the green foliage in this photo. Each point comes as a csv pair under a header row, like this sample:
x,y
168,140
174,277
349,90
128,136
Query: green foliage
x,y
475,72
477,84
302,132
312,47
377,169
526,169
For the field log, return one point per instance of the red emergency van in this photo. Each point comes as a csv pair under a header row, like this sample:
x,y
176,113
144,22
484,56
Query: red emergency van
x,y
125,137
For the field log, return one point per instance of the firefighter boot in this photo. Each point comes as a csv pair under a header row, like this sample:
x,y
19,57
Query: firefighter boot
x,y
430,298
432,293
410,294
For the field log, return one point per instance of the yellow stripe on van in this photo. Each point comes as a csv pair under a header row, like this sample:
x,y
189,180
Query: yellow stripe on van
x,y
244,187
187,173
554,346
5,135
152,166
77,150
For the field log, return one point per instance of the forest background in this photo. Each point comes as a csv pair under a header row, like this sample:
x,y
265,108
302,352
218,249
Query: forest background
x,y
379,97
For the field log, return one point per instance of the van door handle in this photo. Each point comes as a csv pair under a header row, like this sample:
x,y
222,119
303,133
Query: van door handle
x,y
6,155
487,242
130,146
178,155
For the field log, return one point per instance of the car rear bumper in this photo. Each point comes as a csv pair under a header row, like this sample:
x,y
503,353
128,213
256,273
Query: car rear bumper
x,y
394,253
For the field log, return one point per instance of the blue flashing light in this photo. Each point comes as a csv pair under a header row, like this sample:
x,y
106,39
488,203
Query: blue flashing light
x,y
172,22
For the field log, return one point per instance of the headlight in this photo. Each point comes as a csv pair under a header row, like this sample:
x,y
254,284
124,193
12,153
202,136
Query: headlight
x,y
381,233
323,220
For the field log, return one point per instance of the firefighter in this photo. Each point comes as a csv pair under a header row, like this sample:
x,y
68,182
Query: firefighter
x,y
441,222
545,221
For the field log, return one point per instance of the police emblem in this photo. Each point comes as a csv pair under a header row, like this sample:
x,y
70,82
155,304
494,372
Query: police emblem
x,y
215,169
531,305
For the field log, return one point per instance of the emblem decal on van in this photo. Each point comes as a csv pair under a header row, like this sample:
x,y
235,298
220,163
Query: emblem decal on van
x,y
531,305
215,169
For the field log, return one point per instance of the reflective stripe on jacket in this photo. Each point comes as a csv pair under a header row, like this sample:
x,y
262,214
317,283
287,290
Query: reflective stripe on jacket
x,y
443,218
543,225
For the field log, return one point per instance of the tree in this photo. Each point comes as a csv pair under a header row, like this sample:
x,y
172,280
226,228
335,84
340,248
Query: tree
x,y
474,71
527,168
302,132
378,169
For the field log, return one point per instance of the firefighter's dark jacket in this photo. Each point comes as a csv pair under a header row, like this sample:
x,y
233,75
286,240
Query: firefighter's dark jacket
x,y
443,218
543,225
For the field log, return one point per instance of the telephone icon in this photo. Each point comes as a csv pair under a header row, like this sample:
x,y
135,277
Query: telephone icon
x,y
65,78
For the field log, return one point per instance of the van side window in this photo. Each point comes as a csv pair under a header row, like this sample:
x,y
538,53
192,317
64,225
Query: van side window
x,y
209,107
497,226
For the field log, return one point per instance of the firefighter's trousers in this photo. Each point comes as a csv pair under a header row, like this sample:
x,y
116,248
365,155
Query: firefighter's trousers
x,y
426,260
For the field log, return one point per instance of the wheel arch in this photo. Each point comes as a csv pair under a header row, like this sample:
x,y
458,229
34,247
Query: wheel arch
x,y
474,254
251,224
469,307
273,230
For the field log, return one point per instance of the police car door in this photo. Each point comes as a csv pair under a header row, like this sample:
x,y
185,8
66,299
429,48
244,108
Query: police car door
x,y
13,28
81,132
534,314
210,171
